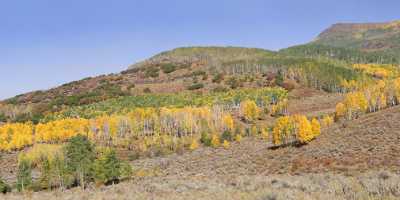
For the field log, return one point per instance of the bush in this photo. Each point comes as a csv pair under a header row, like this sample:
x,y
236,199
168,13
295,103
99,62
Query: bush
x,y
168,68
147,90
218,78
24,175
205,139
151,72
234,83
196,86
4,187
79,156
227,135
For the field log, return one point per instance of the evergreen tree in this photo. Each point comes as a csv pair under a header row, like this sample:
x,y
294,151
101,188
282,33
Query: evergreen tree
x,y
107,168
79,156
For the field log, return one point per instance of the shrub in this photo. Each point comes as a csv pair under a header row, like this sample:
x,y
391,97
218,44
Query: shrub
x,y
205,139
234,83
196,86
24,175
194,145
227,135
4,187
226,144
79,156
147,90
218,78
215,141
220,89
168,68
151,72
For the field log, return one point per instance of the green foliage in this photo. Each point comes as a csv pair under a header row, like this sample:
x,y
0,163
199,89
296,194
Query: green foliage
x,y
226,135
234,83
168,68
151,72
126,171
345,54
107,167
279,78
24,175
79,156
4,187
218,78
205,139
196,86
262,96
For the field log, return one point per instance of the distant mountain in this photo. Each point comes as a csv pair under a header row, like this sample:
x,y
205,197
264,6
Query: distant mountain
x,y
368,37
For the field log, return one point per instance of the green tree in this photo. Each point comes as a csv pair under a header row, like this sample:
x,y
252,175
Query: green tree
x,y
79,156
107,167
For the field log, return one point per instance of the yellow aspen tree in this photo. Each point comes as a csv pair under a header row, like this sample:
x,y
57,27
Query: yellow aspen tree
x,y
228,121
316,127
250,110
282,130
340,110
304,129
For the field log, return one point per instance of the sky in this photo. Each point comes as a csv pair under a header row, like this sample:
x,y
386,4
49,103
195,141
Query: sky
x,y
45,43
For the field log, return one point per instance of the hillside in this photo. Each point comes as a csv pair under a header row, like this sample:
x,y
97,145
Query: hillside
x,y
368,37
200,69
356,160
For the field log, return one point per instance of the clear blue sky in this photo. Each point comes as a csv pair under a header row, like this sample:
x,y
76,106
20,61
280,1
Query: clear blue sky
x,y
44,43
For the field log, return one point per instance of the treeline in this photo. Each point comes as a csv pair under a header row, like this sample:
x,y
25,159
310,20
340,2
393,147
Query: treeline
x,y
325,75
345,54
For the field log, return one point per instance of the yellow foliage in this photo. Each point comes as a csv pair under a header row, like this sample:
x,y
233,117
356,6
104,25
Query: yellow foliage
x,y
238,138
265,134
215,142
226,144
228,121
39,151
250,110
304,129
194,145
316,127
282,130
327,121
294,128
340,110
15,136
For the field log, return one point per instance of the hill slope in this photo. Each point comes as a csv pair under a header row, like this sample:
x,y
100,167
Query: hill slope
x,y
349,161
200,69
363,36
